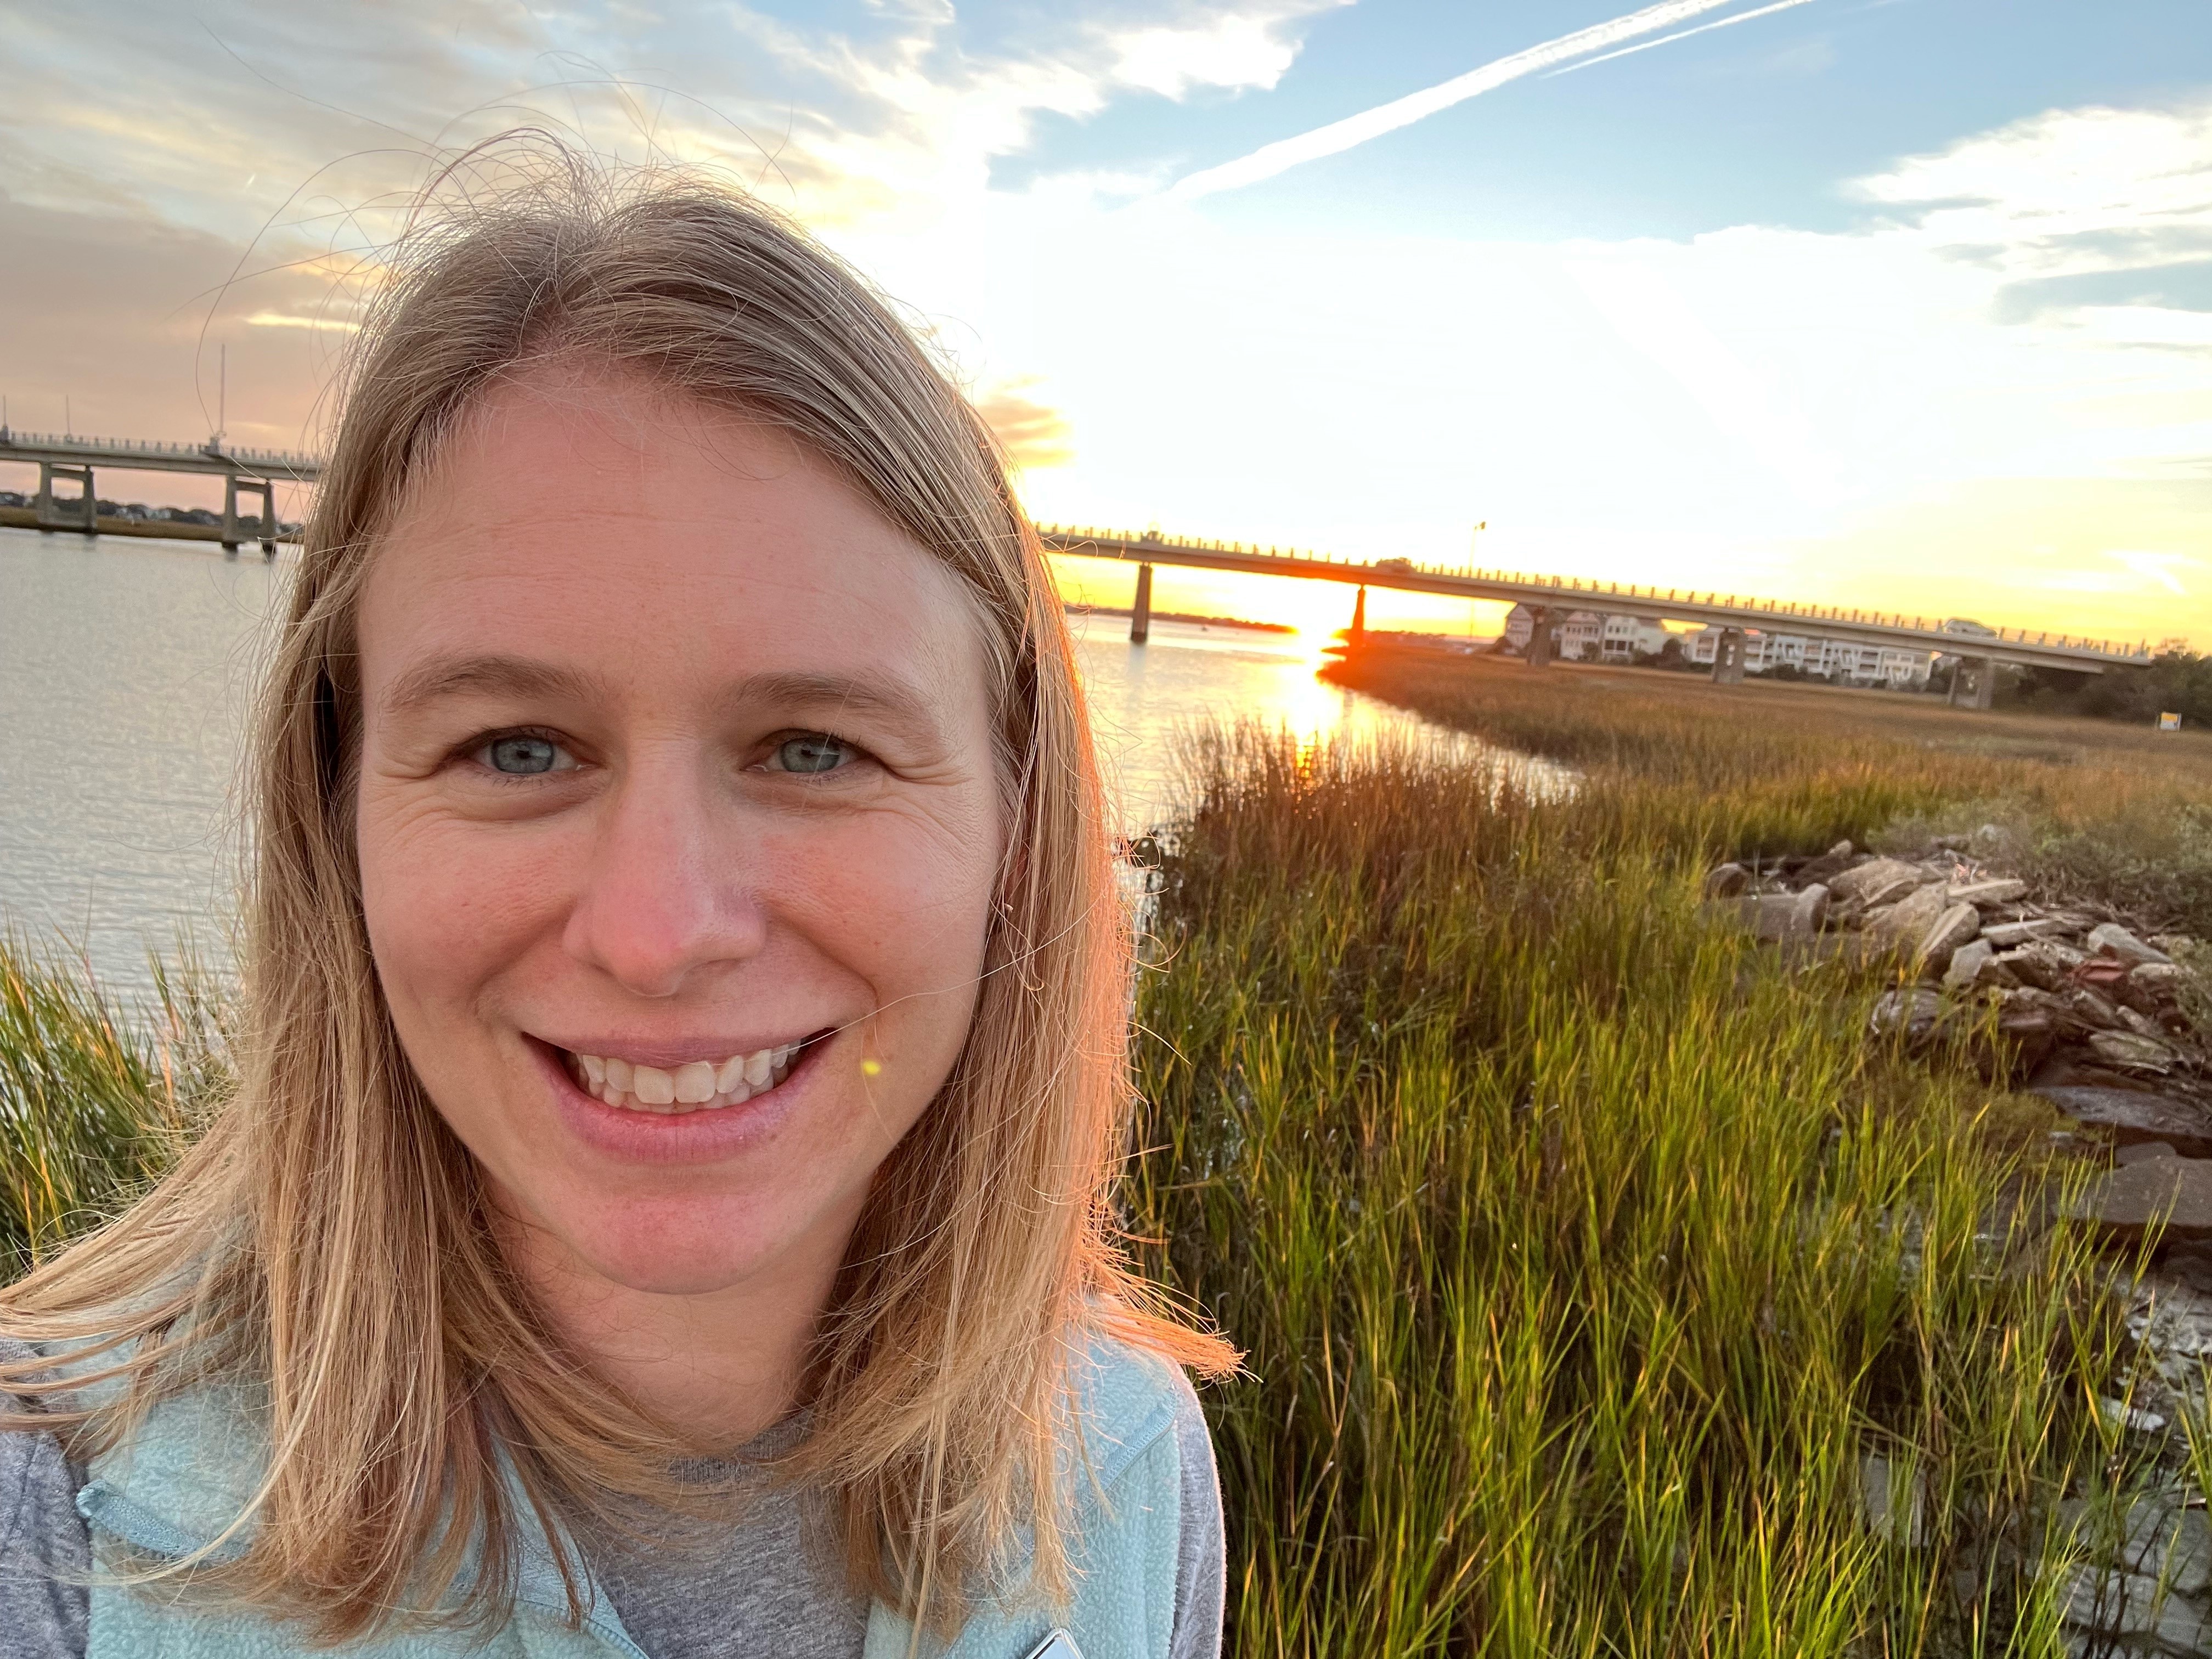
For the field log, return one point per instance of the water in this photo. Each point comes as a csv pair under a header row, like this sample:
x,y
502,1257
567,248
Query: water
x,y
1142,696
126,669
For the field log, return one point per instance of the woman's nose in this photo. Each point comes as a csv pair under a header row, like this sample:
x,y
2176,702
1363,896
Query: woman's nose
x,y
667,892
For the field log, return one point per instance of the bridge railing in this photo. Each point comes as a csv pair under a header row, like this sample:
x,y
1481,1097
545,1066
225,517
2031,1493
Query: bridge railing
x,y
289,459
1595,593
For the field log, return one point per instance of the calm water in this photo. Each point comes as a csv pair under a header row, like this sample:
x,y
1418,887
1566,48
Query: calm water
x,y
126,667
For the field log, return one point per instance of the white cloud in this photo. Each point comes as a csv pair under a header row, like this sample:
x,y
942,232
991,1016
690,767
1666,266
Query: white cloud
x,y
1679,34
1353,131
282,319
1747,408
2063,192
2158,567
1241,50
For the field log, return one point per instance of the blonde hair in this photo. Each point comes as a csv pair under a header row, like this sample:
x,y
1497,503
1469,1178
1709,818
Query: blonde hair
x,y
326,1238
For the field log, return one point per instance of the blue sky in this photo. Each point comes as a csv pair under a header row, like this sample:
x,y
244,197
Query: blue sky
x,y
1760,122
1898,303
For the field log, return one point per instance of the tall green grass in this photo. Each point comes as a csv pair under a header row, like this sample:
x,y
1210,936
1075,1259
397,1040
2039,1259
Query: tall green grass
x,y
95,1096
1583,1254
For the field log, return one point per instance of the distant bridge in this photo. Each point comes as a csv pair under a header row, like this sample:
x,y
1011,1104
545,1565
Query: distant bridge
x,y
72,458
1551,599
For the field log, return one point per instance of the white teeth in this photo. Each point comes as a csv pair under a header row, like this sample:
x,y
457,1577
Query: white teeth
x,y
701,1084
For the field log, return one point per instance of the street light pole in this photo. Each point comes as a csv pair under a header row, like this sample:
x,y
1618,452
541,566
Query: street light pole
x,y
1475,561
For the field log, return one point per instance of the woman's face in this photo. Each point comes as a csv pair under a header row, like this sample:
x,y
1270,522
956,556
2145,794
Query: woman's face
x,y
678,826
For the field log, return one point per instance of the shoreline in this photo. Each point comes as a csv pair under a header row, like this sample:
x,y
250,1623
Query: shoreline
x,y
1191,617
164,530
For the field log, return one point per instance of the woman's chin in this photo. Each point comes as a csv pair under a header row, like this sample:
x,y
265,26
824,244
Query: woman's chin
x,y
675,1247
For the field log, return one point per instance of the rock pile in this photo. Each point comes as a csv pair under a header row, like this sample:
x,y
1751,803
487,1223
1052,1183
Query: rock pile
x,y
2082,1009
2093,1016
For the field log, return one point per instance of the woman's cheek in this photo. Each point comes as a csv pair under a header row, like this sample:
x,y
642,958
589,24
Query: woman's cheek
x,y
918,891
451,903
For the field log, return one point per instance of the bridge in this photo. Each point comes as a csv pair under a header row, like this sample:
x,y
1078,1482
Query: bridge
x,y
71,460
1551,599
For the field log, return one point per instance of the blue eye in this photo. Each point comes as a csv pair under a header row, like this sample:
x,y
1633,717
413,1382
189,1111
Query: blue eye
x,y
815,752
522,757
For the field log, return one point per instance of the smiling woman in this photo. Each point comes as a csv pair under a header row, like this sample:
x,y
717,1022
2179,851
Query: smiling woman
x,y
664,1208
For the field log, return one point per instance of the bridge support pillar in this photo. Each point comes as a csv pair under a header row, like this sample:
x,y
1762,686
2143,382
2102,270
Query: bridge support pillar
x,y
1543,636
235,530
1140,613
82,514
1728,658
1972,680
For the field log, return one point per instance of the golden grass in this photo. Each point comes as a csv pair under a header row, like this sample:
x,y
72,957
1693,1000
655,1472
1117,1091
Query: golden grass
x,y
1604,1284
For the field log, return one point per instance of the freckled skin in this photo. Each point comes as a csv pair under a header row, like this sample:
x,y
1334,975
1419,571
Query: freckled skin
x,y
668,883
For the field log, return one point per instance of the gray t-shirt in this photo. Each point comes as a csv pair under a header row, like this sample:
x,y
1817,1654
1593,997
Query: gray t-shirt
x,y
770,1581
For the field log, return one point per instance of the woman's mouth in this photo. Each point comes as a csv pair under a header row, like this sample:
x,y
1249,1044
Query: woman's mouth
x,y
701,1085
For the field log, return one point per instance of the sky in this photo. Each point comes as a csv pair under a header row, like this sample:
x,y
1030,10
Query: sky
x,y
1905,305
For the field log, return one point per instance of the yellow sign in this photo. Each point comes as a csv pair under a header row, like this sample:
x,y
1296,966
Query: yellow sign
x,y
2169,722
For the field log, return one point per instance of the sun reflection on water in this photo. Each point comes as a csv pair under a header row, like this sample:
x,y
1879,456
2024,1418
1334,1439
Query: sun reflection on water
x,y
1146,699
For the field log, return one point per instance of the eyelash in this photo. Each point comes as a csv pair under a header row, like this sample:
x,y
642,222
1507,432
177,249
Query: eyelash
x,y
470,749
474,746
855,751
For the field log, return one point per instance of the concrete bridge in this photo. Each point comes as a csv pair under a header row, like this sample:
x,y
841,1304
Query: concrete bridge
x,y
1551,599
71,460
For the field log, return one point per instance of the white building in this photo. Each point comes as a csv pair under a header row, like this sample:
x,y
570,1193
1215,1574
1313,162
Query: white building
x,y
1589,635
1625,636
1843,662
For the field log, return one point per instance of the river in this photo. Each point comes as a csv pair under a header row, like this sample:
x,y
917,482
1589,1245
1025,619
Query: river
x,y
126,669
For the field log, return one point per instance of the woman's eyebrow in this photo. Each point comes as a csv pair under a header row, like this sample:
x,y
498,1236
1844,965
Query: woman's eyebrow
x,y
884,698
484,677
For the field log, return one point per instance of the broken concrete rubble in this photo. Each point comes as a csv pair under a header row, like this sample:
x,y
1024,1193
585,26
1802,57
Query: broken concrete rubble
x,y
2088,1012
2111,939
2133,1117
2173,1195
1967,964
1879,881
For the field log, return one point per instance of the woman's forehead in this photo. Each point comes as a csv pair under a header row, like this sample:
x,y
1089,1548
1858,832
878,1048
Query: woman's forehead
x,y
633,532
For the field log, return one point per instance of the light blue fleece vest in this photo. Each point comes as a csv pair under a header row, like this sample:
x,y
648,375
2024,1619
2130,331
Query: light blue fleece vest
x,y
188,1473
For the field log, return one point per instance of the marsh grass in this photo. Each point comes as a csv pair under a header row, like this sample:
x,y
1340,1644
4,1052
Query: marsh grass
x,y
2118,818
1605,1291
95,1095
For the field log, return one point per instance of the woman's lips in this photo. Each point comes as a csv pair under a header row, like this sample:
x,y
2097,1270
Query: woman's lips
x,y
678,1131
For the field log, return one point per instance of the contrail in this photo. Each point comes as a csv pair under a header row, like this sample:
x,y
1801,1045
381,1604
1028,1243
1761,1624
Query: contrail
x,y
1284,153
1679,34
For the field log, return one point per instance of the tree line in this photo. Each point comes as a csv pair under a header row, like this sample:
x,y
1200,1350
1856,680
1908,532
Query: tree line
x,y
2178,682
